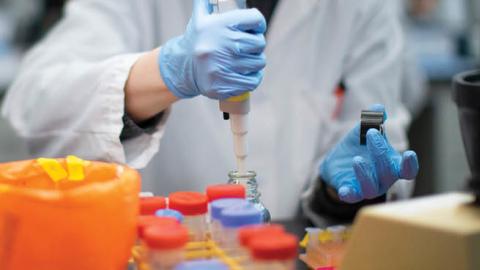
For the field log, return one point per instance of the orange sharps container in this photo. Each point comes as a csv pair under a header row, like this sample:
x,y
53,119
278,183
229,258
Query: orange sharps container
x,y
86,223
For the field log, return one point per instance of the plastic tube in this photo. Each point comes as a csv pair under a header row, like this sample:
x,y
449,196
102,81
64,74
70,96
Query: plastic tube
x,y
337,233
313,241
273,252
239,127
233,218
144,222
147,221
313,249
194,208
248,233
165,246
334,249
216,208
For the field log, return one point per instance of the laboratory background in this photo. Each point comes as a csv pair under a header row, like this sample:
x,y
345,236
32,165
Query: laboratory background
x,y
442,39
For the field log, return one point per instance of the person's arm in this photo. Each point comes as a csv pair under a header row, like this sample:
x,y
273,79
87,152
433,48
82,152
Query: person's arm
x,y
69,95
79,87
146,95
372,72
218,56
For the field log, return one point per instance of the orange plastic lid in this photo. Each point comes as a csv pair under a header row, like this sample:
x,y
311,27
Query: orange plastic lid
x,y
224,191
144,222
273,247
245,234
149,205
188,203
161,237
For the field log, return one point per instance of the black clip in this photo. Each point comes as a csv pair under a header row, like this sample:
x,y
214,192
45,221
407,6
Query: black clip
x,y
370,119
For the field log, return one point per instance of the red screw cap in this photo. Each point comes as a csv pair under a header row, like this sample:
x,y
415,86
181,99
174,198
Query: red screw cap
x,y
144,222
225,191
248,233
163,238
273,247
189,203
149,205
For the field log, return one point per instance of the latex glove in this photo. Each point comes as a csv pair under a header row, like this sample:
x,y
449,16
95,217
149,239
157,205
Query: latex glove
x,y
219,55
359,172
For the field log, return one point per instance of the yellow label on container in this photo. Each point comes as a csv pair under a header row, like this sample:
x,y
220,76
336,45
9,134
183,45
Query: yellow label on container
x,y
240,98
75,167
53,168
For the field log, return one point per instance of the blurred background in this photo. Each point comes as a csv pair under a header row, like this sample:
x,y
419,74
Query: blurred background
x,y
442,39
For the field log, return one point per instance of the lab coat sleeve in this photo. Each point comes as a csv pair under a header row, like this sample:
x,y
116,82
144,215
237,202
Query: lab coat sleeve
x,y
372,70
69,95
131,129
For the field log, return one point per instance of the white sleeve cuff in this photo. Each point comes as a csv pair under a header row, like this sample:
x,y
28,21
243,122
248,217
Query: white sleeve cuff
x,y
141,149
138,151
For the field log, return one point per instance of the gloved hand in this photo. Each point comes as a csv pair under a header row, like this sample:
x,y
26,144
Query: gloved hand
x,y
219,55
359,172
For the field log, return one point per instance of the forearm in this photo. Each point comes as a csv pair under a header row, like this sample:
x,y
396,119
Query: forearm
x,y
146,95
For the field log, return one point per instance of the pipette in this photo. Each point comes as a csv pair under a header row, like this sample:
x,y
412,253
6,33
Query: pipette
x,y
236,108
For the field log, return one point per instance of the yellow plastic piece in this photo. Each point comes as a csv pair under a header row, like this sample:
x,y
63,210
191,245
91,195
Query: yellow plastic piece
x,y
75,167
304,241
324,237
231,263
199,254
198,245
240,98
137,258
53,168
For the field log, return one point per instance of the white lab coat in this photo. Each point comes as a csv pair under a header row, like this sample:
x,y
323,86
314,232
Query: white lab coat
x,y
68,97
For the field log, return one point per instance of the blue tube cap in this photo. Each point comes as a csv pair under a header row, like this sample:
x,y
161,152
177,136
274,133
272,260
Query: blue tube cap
x,y
170,213
241,215
217,206
202,265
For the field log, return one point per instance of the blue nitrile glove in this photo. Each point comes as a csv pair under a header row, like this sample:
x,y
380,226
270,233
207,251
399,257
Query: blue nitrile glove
x,y
219,55
359,172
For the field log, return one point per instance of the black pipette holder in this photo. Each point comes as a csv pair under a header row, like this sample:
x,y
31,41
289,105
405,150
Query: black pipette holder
x,y
466,94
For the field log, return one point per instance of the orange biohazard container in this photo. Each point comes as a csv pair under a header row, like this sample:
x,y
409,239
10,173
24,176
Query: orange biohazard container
x,y
59,214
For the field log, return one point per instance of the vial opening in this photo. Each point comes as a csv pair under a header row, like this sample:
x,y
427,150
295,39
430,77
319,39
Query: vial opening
x,y
245,175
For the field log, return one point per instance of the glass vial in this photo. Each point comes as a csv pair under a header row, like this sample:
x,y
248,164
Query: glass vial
x,y
249,181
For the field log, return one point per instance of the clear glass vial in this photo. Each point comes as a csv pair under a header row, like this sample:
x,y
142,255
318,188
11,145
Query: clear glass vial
x,y
249,181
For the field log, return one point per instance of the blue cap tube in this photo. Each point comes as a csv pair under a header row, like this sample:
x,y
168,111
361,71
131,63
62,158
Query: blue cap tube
x,y
217,206
241,215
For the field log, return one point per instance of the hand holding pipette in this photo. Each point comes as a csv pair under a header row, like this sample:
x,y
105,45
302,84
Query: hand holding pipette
x,y
237,108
